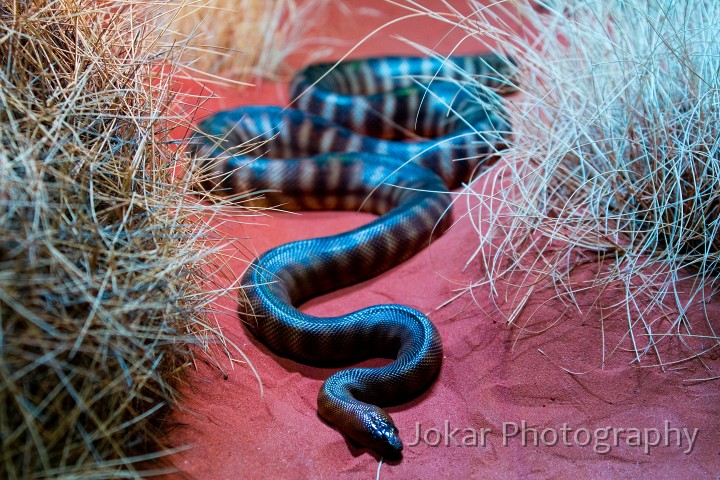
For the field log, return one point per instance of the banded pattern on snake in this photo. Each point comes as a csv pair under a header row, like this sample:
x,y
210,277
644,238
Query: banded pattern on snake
x,y
383,135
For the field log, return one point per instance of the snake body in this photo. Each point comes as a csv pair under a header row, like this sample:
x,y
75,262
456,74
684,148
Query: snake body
x,y
373,135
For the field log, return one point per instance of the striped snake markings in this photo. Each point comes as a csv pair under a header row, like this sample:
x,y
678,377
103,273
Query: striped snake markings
x,y
386,135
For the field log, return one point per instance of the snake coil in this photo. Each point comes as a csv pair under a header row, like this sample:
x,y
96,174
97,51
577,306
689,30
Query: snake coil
x,y
384,135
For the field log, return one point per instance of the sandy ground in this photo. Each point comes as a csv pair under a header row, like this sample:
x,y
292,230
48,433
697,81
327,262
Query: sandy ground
x,y
505,404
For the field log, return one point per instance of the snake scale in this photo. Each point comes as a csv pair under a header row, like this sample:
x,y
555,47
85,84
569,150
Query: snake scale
x,y
385,135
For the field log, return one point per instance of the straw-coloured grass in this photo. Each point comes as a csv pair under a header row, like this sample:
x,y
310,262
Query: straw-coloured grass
x,y
244,39
105,260
615,167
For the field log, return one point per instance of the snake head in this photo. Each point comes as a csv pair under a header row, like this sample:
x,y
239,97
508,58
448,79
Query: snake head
x,y
382,434
363,423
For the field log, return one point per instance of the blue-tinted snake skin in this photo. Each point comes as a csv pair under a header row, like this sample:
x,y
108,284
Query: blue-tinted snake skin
x,y
383,135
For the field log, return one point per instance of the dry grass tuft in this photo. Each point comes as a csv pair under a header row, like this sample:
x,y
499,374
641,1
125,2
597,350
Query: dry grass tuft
x,y
244,39
106,264
615,168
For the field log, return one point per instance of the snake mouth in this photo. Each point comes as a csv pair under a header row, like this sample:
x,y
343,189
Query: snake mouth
x,y
393,447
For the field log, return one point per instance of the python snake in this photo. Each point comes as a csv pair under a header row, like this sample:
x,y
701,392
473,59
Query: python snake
x,y
388,136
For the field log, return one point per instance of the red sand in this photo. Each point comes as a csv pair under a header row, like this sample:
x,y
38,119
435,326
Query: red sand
x,y
493,379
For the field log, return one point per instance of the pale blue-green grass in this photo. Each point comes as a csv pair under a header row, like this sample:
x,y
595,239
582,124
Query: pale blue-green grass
x,y
610,189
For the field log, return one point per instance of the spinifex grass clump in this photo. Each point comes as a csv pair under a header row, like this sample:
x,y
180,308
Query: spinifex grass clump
x,y
615,166
245,38
102,254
